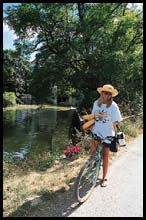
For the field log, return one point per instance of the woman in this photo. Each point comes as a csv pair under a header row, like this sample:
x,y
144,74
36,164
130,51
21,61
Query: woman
x,y
105,126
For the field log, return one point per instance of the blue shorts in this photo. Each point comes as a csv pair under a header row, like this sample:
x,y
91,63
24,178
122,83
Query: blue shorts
x,y
106,145
97,138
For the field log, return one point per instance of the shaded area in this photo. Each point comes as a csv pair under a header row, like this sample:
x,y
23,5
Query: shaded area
x,y
60,203
49,204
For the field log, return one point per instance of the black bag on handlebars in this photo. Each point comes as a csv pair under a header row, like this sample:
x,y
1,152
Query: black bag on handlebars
x,y
114,145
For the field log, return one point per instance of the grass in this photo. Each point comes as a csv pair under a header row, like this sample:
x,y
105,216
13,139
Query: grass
x,y
18,106
18,188
22,185
132,127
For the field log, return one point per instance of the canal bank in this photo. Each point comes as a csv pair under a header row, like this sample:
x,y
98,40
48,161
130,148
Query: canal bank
x,y
24,183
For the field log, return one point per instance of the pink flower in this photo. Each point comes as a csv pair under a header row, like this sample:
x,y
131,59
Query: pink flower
x,y
70,150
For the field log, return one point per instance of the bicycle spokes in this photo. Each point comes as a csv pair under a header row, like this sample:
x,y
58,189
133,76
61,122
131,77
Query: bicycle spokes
x,y
86,180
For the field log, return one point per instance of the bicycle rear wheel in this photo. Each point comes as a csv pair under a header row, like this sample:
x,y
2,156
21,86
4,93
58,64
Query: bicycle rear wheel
x,y
86,179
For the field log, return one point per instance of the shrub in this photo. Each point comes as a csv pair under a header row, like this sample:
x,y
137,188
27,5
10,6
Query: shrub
x,y
9,98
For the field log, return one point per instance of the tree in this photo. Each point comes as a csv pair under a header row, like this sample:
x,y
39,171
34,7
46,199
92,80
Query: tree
x,y
16,70
81,45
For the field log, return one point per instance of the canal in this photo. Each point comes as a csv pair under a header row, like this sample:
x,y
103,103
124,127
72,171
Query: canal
x,y
35,132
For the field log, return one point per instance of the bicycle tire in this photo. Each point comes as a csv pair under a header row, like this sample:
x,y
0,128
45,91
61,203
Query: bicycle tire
x,y
91,182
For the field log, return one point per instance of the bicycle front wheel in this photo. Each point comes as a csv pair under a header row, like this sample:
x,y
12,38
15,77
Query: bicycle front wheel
x,y
86,179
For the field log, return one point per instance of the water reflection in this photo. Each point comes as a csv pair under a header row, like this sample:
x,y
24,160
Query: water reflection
x,y
35,131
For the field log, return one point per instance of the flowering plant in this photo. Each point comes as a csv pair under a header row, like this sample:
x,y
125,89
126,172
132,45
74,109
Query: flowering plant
x,y
71,150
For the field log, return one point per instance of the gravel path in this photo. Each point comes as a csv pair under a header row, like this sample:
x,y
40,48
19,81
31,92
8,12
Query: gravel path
x,y
123,197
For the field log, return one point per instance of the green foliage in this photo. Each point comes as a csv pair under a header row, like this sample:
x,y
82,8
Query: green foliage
x,y
9,98
132,127
81,46
50,159
16,70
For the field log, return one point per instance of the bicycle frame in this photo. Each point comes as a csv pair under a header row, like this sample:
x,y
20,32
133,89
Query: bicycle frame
x,y
98,154
86,180
98,159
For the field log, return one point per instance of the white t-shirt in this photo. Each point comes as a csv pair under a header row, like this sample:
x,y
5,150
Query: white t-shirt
x,y
103,127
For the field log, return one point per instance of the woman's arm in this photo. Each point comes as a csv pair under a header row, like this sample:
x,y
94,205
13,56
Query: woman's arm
x,y
115,123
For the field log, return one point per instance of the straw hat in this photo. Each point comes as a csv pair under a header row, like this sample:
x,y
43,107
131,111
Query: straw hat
x,y
108,88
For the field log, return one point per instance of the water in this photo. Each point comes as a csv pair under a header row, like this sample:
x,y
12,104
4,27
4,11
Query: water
x,y
35,132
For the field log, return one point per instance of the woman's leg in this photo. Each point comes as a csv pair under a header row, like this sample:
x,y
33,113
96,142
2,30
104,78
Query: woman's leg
x,y
105,164
94,145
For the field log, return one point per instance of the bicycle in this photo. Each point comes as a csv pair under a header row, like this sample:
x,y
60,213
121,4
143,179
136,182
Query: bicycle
x,y
87,177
